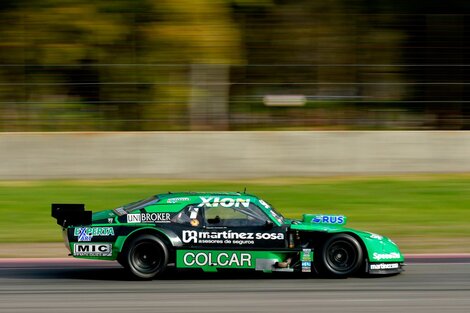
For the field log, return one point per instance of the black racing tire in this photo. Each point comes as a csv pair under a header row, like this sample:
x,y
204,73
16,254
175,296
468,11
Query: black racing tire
x,y
341,256
145,257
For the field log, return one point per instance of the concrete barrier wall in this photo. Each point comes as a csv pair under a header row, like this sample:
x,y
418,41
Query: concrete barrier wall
x,y
230,154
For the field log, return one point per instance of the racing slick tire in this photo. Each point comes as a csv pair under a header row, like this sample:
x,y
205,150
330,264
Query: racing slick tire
x,y
341,256
146,257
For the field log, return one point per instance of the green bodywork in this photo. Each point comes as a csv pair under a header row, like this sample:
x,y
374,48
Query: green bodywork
x,y
377,248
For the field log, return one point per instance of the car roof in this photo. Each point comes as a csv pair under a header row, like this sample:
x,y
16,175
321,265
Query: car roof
x,y
191,193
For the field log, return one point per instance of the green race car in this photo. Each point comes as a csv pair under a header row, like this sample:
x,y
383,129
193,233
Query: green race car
x,y
212,231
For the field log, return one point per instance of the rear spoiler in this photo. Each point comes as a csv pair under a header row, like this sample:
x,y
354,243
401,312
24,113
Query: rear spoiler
x,y
71,214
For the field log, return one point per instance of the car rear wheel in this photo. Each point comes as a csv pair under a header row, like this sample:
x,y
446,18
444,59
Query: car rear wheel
x,y
146,257
341,256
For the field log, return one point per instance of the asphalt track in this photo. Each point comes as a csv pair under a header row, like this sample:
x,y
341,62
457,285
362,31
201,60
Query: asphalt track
x,y
430,284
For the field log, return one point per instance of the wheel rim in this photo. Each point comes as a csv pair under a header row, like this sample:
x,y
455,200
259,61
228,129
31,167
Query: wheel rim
x,y
341,256
146,257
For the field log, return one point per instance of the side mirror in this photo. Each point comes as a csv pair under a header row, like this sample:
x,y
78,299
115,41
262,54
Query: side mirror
x,y
269,224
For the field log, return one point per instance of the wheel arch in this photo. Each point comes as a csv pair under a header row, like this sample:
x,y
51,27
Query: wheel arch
x,y
170,239
320,237
324,235
361,243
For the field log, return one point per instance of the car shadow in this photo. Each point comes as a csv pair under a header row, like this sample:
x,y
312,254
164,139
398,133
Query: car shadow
x,y
117,273
112,271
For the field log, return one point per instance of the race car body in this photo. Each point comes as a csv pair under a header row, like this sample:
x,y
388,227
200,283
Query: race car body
x,y
212,231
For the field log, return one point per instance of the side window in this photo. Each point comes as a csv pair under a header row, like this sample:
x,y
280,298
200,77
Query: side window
x,y
235,217
190,216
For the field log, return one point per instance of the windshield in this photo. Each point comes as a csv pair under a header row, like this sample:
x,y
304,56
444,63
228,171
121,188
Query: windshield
x,y
139,204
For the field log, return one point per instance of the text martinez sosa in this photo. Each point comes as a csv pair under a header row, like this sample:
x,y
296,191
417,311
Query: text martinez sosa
x,y
194,236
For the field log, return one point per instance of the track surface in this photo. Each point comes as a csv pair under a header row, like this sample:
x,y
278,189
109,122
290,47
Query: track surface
x,y
57,285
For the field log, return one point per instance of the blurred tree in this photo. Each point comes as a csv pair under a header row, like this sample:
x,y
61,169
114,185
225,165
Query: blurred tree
x,y
202,33
95,52
175,64
49,45
437,34
318,49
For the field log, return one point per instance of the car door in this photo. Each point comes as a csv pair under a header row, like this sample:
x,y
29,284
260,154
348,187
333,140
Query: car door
x,y
239,227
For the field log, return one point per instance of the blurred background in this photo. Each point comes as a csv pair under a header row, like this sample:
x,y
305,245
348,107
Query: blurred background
x,y
75,65
106,102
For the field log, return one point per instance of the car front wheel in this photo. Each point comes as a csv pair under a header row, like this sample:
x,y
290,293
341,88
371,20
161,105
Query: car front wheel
x,y
341,256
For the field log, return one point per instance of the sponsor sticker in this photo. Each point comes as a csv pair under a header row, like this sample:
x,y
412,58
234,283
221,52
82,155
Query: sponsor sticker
x,y
81,233
386,256
227,237
306,267
306,255
384,266
133,218
176,200
218,259
92,249
214,202
87,233
148,218
328,219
